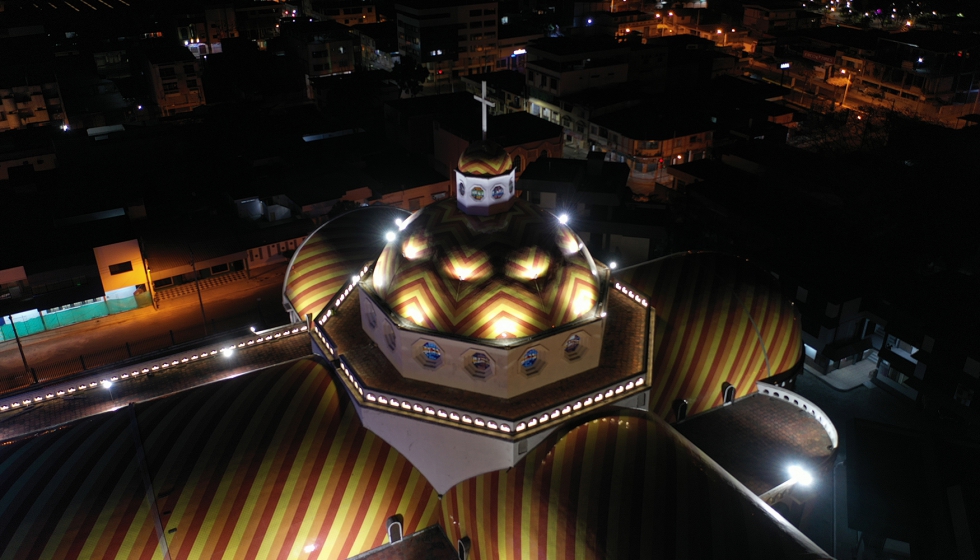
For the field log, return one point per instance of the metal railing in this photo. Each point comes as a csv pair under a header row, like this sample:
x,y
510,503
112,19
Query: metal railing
x,y
191,352
803,404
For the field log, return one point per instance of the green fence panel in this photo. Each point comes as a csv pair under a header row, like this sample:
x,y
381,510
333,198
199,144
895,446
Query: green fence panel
x,y
74,315
120,305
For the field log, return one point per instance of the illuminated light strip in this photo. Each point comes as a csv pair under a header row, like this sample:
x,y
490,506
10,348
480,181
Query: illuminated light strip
x,y
419,408
634,296
289,330
422,408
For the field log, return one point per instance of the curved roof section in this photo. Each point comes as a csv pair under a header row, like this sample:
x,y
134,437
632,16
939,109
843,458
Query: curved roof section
x,y
719,318
510,275
333,253
484,159
622,486
255,467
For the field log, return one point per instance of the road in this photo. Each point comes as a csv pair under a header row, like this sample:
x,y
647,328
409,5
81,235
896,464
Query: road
x,y
252,302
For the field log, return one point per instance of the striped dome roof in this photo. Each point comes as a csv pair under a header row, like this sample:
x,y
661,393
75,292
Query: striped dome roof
x,y
620,486
724,319
485,159
510,275
335,251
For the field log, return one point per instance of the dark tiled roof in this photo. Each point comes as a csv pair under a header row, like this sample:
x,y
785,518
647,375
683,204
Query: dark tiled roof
x,y
651,122
757,438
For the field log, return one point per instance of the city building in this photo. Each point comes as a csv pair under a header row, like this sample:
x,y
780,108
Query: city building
x,y
346,12
651,137
321,48
92,268
505,88
525,139
778,17
448,38
174,81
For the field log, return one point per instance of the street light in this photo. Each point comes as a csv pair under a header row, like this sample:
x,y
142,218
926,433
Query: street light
x,y
846,87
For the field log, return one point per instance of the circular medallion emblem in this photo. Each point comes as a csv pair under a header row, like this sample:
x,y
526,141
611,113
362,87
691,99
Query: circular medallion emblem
x,y
529,359
497,193
431,351
572,344
462,190
481,362
477,193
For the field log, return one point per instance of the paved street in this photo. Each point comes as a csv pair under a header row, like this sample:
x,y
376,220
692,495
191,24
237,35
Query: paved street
x,y
57,411
249,302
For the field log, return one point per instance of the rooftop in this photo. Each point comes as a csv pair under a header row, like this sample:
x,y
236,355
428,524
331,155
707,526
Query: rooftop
x,y
623,357
568,46
757,438
654,122
510,81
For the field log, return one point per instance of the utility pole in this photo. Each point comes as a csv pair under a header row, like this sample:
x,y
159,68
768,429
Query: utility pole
x,y
198,286
27,369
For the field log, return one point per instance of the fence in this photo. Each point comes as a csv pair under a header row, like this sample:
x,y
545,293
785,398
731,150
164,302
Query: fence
x,y
85,312
50,371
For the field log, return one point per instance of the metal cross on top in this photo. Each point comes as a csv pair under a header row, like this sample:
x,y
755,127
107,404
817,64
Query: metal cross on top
x,y
485,104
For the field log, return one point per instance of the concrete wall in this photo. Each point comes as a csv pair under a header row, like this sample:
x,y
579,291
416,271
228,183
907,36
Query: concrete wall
x,y
117,253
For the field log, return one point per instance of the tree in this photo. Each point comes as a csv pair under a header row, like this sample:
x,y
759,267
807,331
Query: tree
x,y
410,75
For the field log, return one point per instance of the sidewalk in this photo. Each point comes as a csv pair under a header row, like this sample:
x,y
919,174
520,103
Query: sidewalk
x,y
251,302
191,287
847,378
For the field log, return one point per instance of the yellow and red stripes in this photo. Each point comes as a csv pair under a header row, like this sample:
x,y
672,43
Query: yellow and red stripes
x,y
485,158
623,486
710,306
517,273
256,467
333,253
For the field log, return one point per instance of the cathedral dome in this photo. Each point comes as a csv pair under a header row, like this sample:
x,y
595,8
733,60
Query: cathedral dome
x,y
485,159
514,274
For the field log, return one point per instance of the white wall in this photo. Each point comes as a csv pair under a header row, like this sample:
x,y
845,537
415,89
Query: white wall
x,y
116,253
445,456
507,379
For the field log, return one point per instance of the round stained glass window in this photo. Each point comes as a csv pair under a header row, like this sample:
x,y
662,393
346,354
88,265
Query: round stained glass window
x,y
481,362
431,351
530,359
498,192
572,344
462,190
477,193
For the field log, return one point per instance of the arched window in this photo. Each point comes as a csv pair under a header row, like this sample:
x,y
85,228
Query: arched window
x,y
544,153
517,164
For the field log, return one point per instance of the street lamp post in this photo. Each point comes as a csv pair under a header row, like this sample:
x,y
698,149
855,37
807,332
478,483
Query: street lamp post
x,y
846,87
20,347
198,286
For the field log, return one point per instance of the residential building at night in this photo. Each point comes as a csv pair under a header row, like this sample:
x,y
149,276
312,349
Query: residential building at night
x,y
321,48
345,12
524,138
448,38
174,80
649,138
779,17
505,88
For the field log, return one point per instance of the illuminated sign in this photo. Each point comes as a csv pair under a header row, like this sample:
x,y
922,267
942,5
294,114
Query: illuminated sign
x,y
520,51
784,65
